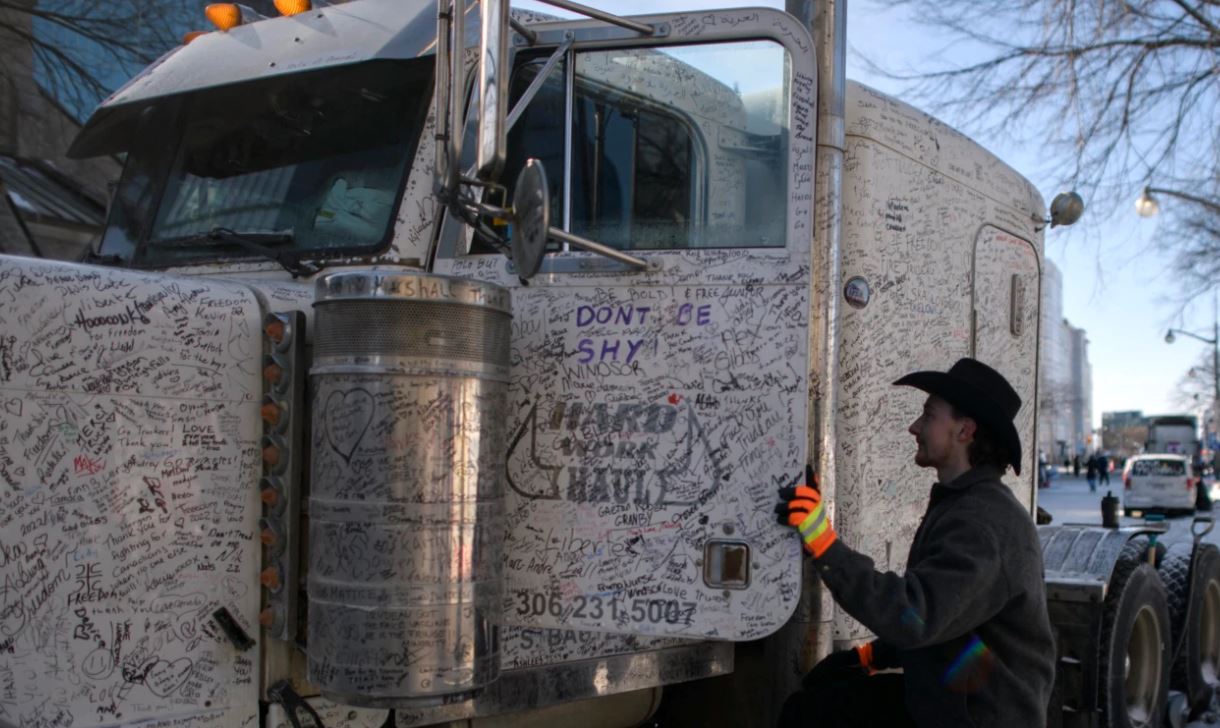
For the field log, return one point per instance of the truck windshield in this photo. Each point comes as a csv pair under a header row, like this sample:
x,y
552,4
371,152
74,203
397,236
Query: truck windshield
x,y
313,161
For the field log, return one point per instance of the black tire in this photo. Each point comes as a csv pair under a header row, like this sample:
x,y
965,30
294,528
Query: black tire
x,y
1135,647
1197,664
1136,549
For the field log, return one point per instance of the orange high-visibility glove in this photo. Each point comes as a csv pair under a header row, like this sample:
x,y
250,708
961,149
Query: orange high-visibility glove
x,y
865,653
841,665
805,511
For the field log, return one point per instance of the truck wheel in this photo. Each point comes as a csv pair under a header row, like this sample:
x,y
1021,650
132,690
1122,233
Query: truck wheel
x,y
1135,648
1195,671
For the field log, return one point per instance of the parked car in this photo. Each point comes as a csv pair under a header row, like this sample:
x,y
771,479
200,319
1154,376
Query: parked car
x,y
1160,482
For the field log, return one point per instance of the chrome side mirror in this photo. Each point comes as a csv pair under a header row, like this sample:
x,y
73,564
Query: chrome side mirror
x,y
532,215
493,89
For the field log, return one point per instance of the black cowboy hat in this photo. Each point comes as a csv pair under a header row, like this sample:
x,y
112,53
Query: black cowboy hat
x,y
982,394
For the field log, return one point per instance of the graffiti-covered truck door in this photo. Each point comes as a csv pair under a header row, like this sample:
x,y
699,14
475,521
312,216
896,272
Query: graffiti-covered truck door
x,y
1006,292
129,457
655,412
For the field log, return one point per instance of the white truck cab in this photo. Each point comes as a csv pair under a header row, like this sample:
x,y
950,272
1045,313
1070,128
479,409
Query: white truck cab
x,y
402,403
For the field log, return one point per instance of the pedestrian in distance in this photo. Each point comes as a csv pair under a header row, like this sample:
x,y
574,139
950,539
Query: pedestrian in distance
x,y
966,620
1091,473
1103,468
1076,465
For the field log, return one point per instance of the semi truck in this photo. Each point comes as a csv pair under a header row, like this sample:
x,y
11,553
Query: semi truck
x,y
1177,434
439,363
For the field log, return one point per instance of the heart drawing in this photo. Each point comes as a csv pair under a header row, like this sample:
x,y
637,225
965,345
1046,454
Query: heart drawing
x,y
164,678
348,416
13,407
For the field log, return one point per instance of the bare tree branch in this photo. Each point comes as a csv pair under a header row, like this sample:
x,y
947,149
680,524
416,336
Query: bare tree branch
x,y
81,50
1131,91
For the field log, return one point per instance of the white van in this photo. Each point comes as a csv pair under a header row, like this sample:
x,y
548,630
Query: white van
x,y
1160,482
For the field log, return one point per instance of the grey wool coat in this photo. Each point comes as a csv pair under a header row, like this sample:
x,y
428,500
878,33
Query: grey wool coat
x,y
967,620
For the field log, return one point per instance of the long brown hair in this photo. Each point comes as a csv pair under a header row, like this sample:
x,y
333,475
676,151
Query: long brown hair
x,y
983,449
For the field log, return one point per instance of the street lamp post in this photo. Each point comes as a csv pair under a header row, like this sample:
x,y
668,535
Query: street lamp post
x,y
1146,206
1214,341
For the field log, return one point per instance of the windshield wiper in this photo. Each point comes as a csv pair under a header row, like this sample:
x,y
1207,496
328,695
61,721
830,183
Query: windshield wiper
x,y
260,238
92,257
258,243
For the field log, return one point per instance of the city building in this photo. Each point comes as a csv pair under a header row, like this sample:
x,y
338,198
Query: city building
x,y
1080,398
1123,433
1054,417
1065,385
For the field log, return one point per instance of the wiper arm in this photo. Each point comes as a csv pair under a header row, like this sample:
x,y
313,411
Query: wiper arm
x,y
221,233
266,239
257,243
92,257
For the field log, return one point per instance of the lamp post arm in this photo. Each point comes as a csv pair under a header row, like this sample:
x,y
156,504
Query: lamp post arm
x,y
1202,201
1204,339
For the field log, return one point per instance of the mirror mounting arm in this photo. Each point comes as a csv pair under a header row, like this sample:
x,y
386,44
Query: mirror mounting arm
x,y
641,28
531,38
604,250
532,90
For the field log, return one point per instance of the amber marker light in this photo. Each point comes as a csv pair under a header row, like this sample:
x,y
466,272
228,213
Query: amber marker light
x,y
269,496
271,455
270,578
267,537
272,373
188,37
275,330
224,16
292,7
267,617
271,413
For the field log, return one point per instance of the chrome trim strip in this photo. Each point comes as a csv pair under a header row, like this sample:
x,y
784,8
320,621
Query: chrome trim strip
x,y
410,285
541,686
410,366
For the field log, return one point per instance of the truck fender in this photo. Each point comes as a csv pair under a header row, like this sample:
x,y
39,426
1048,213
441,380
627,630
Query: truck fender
x,y
1079,563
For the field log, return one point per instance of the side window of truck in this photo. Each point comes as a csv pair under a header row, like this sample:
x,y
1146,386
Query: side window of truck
x,y
662,148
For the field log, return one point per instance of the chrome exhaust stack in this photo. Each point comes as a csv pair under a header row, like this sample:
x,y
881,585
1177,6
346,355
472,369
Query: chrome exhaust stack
x,y
409,386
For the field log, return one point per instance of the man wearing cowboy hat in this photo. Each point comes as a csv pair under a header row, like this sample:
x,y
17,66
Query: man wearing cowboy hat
x,y
967,620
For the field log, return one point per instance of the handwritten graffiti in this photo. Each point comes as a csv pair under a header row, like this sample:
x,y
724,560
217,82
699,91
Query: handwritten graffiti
x,y
85,465
348,416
